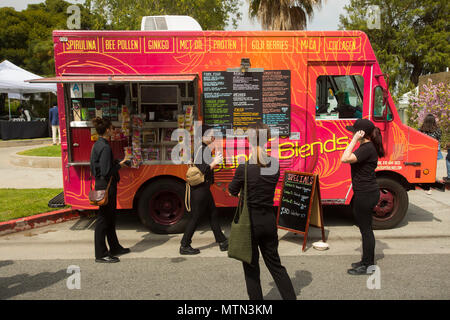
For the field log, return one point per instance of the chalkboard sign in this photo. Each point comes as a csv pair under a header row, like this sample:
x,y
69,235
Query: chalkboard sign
x,y
235,100
300,204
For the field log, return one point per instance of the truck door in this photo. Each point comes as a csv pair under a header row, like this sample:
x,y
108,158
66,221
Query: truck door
x,y
338,94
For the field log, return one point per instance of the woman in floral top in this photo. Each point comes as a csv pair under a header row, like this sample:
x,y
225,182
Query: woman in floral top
x,y
429,127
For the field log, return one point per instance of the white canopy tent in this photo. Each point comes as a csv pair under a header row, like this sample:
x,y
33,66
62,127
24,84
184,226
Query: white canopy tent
x,y
12,80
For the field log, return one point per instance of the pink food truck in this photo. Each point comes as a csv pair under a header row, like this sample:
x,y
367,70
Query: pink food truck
x,y
307,85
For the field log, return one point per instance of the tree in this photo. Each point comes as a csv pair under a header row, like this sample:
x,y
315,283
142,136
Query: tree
x,y
26,36
412,40
283,14
127,14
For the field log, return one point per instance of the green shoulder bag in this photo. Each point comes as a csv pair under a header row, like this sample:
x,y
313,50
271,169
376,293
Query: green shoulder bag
x,y
240,240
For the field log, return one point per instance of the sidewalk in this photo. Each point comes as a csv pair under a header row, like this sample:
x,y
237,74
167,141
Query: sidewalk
x,y
26,178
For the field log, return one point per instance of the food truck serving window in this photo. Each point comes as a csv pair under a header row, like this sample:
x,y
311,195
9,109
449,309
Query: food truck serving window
x,y
339,97
144,111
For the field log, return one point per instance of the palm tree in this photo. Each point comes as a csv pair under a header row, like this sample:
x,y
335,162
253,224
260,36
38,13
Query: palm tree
x,y
283,14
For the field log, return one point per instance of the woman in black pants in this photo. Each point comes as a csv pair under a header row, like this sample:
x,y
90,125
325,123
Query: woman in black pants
x,y
104,168
202,200
263,173
366,191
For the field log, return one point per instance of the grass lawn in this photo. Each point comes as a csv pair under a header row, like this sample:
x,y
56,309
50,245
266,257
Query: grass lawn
x,y
48,151
18,203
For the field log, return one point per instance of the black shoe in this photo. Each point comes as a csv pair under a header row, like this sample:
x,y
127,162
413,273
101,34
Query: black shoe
x,y
356,264
362,269
188,250
120,251
107,259
223,245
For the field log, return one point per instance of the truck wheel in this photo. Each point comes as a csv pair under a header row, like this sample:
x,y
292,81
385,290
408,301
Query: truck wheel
x,y
393,204
161,206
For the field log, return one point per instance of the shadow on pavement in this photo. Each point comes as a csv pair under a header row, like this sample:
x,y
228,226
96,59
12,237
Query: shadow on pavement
x,y
23,283
301,280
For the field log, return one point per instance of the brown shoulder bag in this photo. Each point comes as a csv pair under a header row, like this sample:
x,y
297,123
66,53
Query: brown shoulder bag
x,y
99,197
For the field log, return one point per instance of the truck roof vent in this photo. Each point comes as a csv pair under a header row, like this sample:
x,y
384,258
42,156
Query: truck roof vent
x,y
171,23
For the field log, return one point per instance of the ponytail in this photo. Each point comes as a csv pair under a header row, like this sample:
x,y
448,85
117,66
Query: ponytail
x,y
376,139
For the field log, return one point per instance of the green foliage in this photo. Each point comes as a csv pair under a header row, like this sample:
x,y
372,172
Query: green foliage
x,y
412,41
283,14
26,36
18,203
127,14
47,151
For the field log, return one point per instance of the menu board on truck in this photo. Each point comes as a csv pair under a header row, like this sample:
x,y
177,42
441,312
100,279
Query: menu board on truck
x,y
235,100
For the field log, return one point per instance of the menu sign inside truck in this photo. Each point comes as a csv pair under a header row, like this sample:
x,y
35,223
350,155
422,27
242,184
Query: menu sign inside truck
x,y
235,100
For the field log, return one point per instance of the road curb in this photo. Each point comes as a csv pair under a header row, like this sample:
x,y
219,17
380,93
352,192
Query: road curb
x,y
25,142
36,162
39,220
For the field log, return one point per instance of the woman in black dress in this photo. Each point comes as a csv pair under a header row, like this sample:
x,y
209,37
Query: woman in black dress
x,y
104,168
363,162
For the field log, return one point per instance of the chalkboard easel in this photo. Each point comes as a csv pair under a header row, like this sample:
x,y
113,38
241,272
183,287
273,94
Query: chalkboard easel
x,y
300,204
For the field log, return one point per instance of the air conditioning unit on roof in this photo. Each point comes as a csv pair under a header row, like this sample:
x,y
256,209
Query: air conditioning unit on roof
x,y
170,23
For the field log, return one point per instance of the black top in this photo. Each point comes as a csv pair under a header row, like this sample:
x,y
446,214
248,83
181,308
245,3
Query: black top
x,y
437,134
103,165
261,188
203,163
363,171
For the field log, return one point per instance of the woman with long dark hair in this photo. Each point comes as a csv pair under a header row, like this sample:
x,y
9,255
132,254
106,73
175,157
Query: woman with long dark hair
x,y
261,190
430,128
104,168
363,162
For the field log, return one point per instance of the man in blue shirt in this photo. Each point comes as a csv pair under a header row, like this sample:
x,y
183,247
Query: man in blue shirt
x,y
53,117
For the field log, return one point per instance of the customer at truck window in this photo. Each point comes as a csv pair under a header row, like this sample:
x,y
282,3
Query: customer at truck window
x,y
366,191
202,201
430,128
104,168
261,190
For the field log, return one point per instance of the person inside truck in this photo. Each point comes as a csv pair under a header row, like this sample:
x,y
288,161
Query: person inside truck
x,y
344,108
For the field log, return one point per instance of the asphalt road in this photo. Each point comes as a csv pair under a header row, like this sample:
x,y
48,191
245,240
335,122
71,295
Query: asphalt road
x,y
413,259
220,278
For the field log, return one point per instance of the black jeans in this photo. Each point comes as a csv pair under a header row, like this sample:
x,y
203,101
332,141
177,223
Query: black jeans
x,y
105,226
363,205
265,236
202,202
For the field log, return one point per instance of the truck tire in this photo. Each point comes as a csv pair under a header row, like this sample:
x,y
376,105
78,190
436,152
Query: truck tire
x,y
393,204
161,206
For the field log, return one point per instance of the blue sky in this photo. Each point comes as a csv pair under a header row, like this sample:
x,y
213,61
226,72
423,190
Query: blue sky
x,y
325,19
